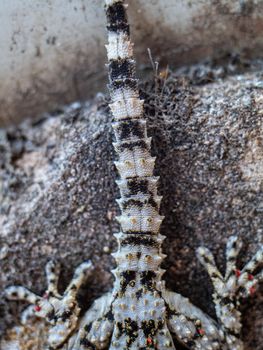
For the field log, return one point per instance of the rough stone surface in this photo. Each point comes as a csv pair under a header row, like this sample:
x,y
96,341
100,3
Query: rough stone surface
x,y
58,191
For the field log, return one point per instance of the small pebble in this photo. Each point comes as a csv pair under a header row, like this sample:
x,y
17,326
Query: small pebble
x,y
106,249
4,252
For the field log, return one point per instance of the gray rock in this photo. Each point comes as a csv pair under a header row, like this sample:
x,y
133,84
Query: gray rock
x,y
58,190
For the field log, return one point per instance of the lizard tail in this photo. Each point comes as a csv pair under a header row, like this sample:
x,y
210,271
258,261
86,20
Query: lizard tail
x,y
140,219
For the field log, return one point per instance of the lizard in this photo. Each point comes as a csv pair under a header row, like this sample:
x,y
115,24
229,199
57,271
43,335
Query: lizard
x,y
140,312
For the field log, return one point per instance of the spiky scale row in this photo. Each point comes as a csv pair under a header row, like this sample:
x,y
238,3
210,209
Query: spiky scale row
x,y
140,313
139,202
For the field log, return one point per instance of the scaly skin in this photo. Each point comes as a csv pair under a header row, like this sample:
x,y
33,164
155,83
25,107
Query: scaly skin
x,y
139,313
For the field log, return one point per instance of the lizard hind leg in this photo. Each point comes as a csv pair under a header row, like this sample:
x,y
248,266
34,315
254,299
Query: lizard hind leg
x,y
191,326
97,325
231,287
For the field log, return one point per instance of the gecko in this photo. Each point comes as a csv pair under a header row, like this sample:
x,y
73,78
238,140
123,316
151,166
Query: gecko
x,y
140,312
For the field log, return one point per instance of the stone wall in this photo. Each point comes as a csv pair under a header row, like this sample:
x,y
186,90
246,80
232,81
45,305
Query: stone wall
x,y
52,52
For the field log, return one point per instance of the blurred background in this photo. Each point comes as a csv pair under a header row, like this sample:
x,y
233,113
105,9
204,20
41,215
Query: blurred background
x,y
52,52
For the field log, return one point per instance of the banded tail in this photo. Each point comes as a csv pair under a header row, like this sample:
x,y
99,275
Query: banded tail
x,y
139,203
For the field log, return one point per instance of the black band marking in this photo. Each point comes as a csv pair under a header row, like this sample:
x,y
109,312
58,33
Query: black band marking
x,y
127,83
137,185
139,232
140,240
116,18
132,203
121,69
131,128
140,204
132,145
